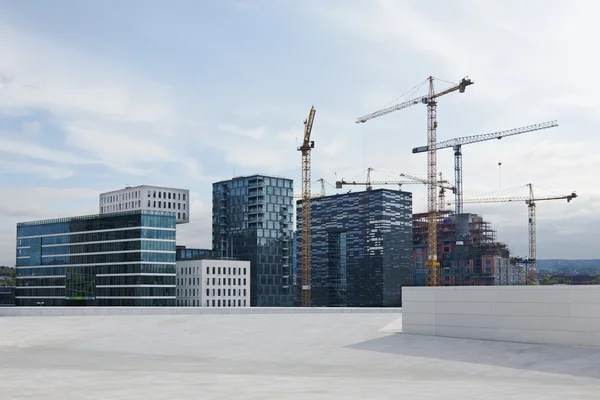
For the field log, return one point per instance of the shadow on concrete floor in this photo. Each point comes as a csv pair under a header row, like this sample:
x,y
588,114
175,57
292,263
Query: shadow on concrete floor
x,y
575,361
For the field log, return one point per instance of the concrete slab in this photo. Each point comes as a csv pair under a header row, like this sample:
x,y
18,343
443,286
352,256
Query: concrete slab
x,y
275,356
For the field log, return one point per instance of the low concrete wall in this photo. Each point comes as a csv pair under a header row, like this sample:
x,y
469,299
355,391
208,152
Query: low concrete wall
x,y
90,311
563,315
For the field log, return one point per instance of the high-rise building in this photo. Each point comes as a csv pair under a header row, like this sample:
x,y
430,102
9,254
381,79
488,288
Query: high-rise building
x,y
361,248
118,259
148,198
253,221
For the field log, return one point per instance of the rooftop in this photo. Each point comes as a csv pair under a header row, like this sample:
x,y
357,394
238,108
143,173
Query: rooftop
x,y
93,216
284,355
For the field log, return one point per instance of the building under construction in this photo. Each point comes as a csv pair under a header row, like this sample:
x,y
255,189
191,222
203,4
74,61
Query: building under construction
x,y
476,258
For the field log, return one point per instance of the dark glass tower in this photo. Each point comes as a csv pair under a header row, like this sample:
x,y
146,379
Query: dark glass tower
x,y
117,259
252,221
361,248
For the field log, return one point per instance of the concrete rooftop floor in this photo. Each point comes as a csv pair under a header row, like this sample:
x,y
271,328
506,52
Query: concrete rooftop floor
x,y
276,356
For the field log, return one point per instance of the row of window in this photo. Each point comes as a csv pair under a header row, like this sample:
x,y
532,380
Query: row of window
x,y
104,247
215,303
102,258
167,195
166,204
133,233
103,280
23,272
215,281
113,198
130,205
135,291
230,292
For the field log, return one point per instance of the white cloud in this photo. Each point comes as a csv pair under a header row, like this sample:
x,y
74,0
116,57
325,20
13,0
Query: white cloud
x,y
45,171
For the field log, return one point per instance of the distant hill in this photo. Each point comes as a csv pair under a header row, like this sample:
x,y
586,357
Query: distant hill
x,y
577,267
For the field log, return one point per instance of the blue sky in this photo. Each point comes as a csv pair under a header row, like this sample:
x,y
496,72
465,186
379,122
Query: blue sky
x,y
98,95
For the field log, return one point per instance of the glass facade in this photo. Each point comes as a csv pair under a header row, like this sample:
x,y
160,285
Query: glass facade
x,y
117,259
253,221
361,248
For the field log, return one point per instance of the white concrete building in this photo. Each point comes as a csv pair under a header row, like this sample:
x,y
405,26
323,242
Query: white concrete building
x,y
213,283
148,198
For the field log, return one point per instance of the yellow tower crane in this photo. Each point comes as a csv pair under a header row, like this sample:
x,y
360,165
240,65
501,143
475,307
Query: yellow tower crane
x,y
432,264
531,201
307,146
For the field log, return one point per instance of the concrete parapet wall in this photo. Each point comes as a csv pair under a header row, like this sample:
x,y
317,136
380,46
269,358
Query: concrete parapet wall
x,y
562,315
91,311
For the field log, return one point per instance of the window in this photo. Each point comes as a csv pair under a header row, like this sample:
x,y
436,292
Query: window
x,y
219,303
244,274
219,270
207,270
183,215
244,284
184,206
213,302
184,200
178,196
208,292
159,204
229,303
154,203
244,302
228,292
154,195
214,281
244,295
179,206
213,270
169,196
239,303
218,292
207,303
169,205
159,195
179,217
208,281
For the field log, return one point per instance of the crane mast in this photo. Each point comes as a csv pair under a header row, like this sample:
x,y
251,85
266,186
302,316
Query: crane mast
x,y
307,146
432,265
531,201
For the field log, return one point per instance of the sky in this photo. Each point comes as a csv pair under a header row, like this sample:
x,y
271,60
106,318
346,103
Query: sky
x,y
98,95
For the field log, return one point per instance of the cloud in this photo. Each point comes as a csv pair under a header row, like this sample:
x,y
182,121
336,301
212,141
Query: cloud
x,y
44,171
256,133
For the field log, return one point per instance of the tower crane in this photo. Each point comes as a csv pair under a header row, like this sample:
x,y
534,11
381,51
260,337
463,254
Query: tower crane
x,y
432,264
531,201
307,146
457,143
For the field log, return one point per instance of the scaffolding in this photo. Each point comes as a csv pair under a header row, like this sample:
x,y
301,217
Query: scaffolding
x,y
470,261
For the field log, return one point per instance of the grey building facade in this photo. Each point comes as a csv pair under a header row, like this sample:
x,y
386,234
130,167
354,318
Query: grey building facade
x,y
361,248
253,221
117,259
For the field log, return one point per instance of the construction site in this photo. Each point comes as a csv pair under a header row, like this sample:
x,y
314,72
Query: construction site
x,y
450,247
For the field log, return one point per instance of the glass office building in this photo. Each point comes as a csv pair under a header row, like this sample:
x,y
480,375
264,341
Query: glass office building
x,y
361,248
253,221
117,259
